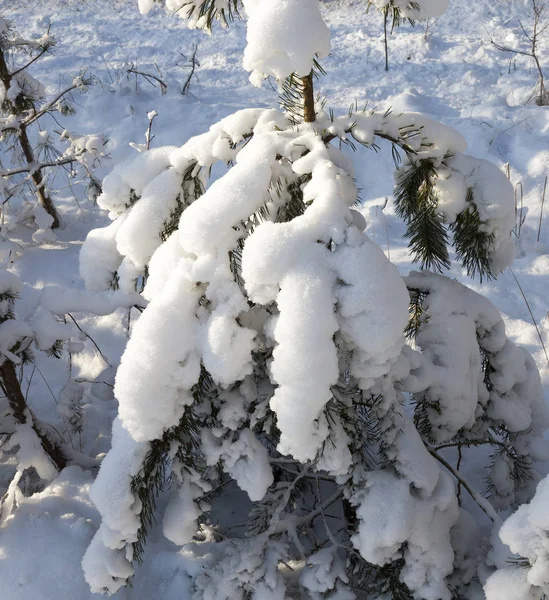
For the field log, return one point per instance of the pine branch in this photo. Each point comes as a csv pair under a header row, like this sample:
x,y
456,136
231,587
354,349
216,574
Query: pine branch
x,y
30,62
297,96
153,478
83,82
472,244
34,167
209,10
416,312
416,203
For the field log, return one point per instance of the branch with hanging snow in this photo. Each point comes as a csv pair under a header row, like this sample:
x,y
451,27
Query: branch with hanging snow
x,y
34,167
79,83
482,503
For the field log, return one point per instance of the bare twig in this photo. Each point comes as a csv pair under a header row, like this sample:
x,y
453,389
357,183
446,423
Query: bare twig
x,y
148,77
385,41
481,502
518,213
531,314
541,210
90,338
533,52
34,167
151,115
193,62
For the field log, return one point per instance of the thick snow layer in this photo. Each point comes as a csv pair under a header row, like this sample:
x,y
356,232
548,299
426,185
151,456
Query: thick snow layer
x,y
245,460
206,224
511,581
452,370
107,563
284,37
372,307
525,533
132,175
160,361
30,452
180,517
111,492
137,237
99,258
57,302
423,524
494,201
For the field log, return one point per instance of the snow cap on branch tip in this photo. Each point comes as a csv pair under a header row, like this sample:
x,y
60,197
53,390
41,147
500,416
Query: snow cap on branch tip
x,y
284,37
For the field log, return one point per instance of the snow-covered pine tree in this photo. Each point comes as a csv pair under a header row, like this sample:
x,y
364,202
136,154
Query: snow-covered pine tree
x,y
29,155
272,359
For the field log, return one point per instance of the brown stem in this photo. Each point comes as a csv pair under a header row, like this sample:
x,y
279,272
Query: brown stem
x,y
18,407
309,115
38,179
482,502
44,165
5,75
537,18
385,41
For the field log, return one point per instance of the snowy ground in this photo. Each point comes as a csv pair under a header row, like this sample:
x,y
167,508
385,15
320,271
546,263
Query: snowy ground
x,y
450,72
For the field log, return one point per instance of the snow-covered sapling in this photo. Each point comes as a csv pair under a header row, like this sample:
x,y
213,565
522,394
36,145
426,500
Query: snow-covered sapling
x,y
533,37
192,63
270,367
22,434
18,426
33,154
397,10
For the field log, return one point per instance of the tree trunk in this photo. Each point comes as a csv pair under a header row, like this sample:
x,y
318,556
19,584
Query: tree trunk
x,y
386,42
38,180
5,75
19,407
309,115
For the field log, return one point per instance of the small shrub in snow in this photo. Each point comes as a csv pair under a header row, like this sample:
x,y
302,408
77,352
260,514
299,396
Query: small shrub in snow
x,y
22,106
272,357
396,10
533,46
34,445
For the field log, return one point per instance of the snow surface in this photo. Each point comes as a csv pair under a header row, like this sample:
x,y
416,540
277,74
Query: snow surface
x,y
451,73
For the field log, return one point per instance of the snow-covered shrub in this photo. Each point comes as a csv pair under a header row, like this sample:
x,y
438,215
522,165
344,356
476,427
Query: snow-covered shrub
x,y
413,11
533,47
22,433
30,155
398,10
271,359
